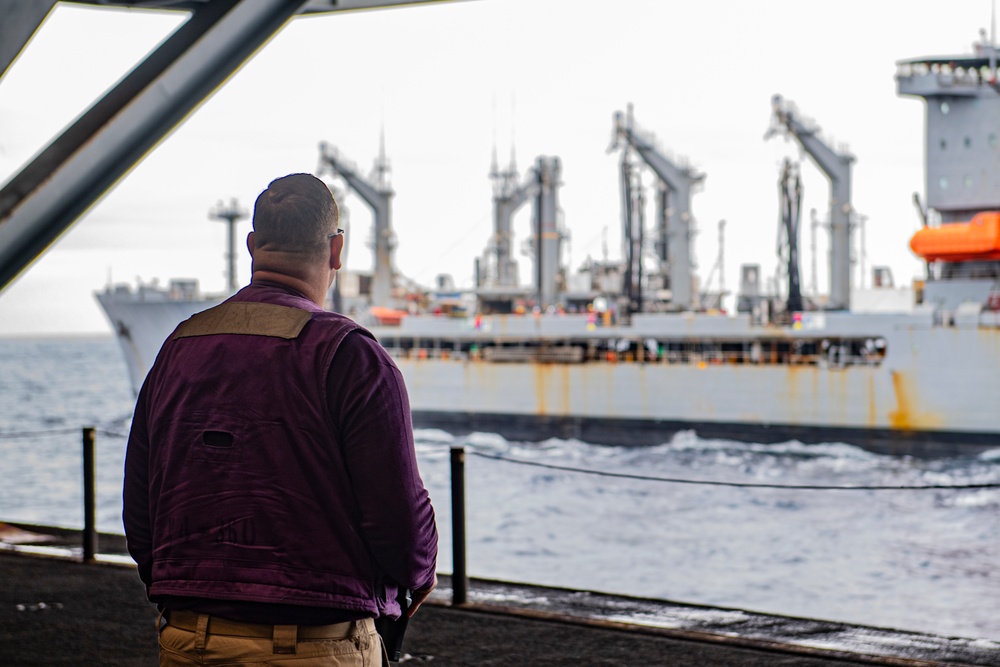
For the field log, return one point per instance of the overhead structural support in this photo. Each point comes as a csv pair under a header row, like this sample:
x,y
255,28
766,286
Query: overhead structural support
x,y
19,19
81,165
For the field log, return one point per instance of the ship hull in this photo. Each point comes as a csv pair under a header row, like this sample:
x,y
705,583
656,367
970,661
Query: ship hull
x,y
647,432
142,321
930,392
930,395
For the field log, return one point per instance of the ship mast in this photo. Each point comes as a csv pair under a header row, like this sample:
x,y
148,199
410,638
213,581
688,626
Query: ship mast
x,y
230,214
836,165
377,193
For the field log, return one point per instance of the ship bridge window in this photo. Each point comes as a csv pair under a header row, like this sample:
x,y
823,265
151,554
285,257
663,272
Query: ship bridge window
x,y
945,108
968,142
943,183
944,145
992,140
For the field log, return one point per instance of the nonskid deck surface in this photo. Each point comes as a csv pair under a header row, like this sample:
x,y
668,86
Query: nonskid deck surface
x,y
55,610
730,627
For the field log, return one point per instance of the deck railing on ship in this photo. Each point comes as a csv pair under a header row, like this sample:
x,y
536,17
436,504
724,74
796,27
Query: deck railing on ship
x,y
838,354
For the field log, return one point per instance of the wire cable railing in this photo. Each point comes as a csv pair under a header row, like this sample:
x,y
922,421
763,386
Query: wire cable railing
x,y
746,485
618,475
61,431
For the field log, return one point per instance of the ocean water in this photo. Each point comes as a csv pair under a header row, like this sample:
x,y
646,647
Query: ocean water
x,y
922,560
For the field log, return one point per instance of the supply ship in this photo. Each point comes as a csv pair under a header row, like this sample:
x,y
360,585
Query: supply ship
x,y
631,351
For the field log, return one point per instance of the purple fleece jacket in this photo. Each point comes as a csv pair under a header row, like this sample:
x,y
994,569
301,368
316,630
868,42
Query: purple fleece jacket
x,y
277,477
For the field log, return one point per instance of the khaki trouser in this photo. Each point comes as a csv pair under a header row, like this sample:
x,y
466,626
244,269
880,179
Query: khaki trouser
x,y
188,638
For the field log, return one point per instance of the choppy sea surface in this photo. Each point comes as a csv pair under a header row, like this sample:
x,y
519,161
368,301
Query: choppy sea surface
x,y
924,560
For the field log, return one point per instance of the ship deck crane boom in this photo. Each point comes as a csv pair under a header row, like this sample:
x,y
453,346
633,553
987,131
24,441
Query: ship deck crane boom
x,y
836,165
378,196
680,181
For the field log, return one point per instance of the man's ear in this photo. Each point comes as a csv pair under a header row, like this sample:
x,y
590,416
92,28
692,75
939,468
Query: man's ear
x,y
250,243
336,247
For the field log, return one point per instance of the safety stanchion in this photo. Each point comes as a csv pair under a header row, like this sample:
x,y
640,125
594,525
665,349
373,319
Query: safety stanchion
x,y
459,577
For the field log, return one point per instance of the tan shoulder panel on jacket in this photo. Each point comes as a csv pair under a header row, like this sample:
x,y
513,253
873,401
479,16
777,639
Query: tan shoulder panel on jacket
x,y
247,318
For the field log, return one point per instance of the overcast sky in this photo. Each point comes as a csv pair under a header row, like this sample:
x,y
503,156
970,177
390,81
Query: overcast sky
x,y
448,82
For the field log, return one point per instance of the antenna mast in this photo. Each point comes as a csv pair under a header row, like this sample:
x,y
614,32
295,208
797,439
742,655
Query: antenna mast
x,y
231,214
993,40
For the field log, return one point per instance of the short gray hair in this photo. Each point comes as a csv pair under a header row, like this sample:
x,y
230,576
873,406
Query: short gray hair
x,y
295,214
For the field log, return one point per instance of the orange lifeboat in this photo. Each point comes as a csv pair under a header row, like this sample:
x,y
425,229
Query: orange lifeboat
x,y
387,316
978,239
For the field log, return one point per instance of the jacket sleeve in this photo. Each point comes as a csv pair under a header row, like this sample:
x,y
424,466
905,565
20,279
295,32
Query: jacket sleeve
x,y
135,493
368,400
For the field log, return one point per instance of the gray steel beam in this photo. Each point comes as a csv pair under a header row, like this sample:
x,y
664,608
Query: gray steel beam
x,y
19,19
69,176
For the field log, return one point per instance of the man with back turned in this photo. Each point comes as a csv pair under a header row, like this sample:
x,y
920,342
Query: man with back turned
x,y
272,499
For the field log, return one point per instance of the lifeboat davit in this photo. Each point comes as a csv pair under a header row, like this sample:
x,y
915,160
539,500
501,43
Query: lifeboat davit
x,y
978,239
